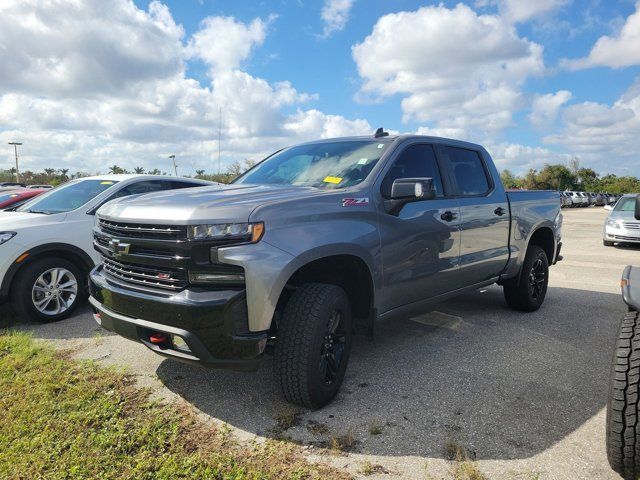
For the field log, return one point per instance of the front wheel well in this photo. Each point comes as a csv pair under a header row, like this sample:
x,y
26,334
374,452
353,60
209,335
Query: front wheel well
x,y
79,258
349,272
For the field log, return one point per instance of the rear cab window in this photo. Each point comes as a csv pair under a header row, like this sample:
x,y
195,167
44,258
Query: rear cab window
x,y
468,171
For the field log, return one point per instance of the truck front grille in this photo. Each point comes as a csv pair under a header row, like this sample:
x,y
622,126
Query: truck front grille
x,y
142,230
166,279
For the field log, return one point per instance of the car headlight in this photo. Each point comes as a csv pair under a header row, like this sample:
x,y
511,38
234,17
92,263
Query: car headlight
x,y
613,224
231,232
6,236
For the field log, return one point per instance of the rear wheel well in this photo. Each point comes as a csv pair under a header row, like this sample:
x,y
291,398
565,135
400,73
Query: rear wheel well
x,y
349,272
543,238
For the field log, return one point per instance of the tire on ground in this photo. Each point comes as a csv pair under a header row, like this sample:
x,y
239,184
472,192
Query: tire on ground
x,y
300,340
623,431
22,290
607,243
517,291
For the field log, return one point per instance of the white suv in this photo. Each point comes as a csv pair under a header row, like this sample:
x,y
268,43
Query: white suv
x,y
46,245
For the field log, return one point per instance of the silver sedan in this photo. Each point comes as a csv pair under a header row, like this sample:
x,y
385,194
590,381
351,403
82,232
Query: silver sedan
x,y
621,225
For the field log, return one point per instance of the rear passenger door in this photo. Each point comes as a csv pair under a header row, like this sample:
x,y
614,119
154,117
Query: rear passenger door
x,y
484,215
421,243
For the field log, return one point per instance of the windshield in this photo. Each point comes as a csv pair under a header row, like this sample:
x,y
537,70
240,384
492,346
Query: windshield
x,y
323,165
67,197
626,204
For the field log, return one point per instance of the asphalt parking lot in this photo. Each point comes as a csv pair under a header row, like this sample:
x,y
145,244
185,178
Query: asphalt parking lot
x,y
524,393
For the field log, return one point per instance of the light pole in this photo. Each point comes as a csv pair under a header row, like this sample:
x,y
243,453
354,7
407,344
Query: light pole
x,y
175,167
15,148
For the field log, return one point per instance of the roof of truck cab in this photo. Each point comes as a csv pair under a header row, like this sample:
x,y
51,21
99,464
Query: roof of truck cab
x,y
400,137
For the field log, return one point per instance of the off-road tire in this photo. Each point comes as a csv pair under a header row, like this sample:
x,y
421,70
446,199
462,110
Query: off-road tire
x,y
299,343
517,291
607,243
21,292
623,430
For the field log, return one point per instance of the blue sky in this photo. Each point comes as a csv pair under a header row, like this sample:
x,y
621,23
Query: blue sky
x,y
532,85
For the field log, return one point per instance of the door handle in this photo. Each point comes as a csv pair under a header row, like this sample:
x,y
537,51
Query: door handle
x,y
448,216
499,211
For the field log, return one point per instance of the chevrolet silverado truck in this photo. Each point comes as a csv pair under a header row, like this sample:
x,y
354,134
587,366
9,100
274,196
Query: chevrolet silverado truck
x,y
316,242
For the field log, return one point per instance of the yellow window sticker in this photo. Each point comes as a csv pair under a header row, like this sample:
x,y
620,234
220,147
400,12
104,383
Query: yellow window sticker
x,y
106,183
332,179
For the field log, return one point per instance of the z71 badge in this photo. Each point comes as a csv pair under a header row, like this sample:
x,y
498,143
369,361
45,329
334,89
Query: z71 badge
x,y
355,202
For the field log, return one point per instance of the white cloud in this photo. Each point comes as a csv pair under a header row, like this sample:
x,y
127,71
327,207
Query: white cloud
x,y
605,137
223,42
454,68
523,10
94,83
620,50
519,158
545,108
335,15
85,48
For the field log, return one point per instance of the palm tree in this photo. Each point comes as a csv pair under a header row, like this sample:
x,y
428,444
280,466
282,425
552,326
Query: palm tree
x,y
63,173
139,170
115,169
50,172
155,171
199,173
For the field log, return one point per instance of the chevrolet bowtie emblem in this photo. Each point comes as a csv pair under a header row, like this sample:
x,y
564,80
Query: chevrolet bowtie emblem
x,y
118,248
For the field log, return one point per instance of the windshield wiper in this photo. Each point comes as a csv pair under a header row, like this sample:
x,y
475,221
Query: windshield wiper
x,y
44,212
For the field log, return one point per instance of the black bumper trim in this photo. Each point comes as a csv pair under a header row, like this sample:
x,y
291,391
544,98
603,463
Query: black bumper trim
x,y
138,330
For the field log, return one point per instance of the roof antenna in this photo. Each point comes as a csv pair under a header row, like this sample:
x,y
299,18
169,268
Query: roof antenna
x,y
380,133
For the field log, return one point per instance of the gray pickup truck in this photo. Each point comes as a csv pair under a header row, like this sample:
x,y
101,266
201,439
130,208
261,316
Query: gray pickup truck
x,y
316,242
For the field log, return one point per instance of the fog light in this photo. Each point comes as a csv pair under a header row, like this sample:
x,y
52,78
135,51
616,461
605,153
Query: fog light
x,y
221,278
179,343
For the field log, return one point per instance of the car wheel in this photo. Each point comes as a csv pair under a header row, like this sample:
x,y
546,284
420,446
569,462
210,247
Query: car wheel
x,y
48,290
607,243
623,431
313,343
527,291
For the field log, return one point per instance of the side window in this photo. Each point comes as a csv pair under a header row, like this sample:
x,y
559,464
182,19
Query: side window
x,y
468,171
416,161
175,185
148,186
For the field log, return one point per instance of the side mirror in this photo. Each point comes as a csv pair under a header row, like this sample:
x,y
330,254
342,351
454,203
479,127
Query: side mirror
x,y
608,207
412,189
407,190
638,207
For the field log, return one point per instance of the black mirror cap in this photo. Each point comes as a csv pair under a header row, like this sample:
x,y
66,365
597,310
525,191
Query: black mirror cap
x,y
637,207
413,189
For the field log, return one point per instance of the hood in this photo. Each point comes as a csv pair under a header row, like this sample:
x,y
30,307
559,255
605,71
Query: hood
x,y
16,220
229,203
623,216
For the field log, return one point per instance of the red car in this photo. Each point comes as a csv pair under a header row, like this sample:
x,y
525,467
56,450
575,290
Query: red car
x,y
15,198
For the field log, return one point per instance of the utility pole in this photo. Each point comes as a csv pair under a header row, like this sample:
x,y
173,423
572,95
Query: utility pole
x,y
15,148
175,167
219,139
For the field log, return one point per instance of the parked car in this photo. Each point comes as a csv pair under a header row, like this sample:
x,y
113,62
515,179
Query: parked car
x,y
15,198
46,245
317,241
12,184
600,200
40,187
621,225
577,200
623,405
567,200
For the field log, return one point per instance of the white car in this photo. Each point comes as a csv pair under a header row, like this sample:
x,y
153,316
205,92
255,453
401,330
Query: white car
x,y
46,245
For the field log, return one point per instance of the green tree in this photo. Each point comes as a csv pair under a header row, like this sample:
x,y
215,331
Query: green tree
x,y
138,170
115,169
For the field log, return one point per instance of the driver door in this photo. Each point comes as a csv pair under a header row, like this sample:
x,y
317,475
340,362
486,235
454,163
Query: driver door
x,y
421,244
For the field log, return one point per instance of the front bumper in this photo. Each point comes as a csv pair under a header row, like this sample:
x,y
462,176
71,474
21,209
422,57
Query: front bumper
x,y
213,323
624,235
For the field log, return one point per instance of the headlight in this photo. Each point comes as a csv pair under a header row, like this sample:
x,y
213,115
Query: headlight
x,y
5,236
233,232
613,224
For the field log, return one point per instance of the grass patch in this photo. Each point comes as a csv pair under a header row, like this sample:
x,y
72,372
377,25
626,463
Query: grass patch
x,y
369,468
344,443
375,428
63,418
464,468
